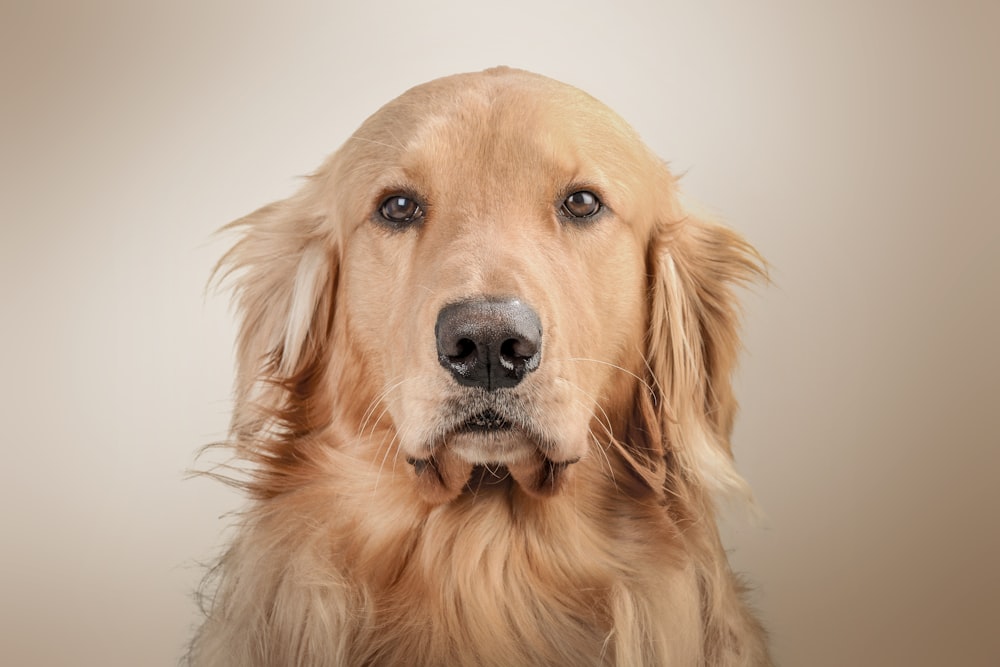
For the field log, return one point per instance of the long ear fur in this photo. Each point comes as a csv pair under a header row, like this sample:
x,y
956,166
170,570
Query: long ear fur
x,y
284,270
693,345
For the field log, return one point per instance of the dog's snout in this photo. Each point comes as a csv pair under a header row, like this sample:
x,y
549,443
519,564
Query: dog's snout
x,y
489,343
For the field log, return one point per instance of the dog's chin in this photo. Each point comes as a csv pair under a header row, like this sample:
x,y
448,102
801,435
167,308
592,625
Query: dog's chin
x,y
482,459
496,446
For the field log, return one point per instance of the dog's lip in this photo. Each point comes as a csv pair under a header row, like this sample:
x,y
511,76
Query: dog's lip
x,y
482,428
422,464
540,477
487,420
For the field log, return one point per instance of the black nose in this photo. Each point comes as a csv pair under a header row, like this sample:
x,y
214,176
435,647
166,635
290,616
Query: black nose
x,y
489,343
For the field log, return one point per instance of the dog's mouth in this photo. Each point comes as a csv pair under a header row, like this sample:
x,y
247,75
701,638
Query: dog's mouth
x,y
488,444
496,433
487,421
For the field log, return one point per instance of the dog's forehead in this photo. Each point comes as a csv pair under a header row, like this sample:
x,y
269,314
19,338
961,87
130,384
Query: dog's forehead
x,y
499,101
498,126
495,111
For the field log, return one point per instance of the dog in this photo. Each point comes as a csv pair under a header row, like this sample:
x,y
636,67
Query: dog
x,y
483,399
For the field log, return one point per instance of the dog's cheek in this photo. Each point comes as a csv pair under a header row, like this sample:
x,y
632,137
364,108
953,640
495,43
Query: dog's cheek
x,y
374,308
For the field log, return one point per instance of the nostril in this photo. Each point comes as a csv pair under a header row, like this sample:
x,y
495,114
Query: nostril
x,y
516,353
465,350
508,357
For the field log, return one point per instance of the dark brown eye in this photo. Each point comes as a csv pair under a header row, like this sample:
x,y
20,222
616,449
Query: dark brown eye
x,y
400,210
582,204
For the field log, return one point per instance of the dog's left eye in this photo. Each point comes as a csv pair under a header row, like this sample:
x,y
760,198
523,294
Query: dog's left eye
x,y
400,210
582,204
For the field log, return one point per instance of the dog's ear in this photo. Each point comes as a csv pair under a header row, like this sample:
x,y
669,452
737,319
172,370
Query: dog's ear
x,y
693,343
284,271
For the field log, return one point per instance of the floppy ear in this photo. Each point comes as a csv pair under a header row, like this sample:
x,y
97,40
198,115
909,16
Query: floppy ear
x,y
693,344
284,270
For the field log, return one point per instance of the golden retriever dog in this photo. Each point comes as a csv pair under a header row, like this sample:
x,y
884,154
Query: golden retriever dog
x,y
483,400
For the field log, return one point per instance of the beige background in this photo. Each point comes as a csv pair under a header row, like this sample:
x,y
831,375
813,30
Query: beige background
x,y
855,143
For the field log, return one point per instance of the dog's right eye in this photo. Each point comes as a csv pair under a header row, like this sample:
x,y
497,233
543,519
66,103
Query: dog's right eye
x,y
580,205
400,210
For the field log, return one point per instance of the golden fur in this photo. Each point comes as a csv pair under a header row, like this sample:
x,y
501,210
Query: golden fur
x,y
595,542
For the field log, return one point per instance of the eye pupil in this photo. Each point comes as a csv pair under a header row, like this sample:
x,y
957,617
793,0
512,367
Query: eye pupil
x,y
582,204
400,209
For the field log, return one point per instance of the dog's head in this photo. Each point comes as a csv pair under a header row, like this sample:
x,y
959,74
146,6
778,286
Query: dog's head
x,y
492,271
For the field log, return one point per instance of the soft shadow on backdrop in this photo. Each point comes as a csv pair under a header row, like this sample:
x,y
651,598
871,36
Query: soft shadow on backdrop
x,y
855,143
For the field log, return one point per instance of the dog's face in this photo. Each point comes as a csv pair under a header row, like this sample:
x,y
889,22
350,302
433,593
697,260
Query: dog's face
x,y
493,271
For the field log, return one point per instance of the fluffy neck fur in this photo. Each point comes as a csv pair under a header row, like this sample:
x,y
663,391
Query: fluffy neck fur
x,y
379,577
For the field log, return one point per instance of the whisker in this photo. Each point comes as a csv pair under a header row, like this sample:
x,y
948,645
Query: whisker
x,y
597,441
399,143
373,141
616,367
496,472
388,448
375,403
607,423
652,374
607,459
395,447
